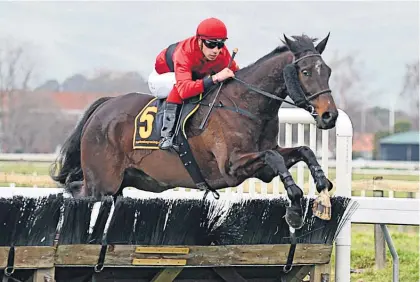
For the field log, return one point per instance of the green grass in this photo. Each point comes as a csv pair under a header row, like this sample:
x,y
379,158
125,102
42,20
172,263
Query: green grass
x,y
42,168
397,194
363,254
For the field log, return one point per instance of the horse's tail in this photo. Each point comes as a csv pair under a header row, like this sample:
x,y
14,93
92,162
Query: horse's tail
x,y
67,168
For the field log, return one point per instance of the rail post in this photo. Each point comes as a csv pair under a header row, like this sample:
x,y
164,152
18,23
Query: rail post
x,y
344,135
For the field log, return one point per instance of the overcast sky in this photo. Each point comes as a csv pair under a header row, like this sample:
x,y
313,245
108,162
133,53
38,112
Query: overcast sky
x,y
79,37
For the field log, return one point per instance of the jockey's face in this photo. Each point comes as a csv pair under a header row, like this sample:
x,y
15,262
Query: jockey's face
x,y
211,48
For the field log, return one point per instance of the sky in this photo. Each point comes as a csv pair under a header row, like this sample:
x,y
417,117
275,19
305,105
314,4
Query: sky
x,y
80,37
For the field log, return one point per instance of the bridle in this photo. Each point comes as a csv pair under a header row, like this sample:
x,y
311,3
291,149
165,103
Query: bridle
x,y
299,101
315,95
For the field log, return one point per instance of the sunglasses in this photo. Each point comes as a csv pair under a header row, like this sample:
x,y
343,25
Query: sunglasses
x,y
211,44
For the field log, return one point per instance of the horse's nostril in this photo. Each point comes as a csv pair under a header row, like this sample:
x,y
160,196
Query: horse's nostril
x,y
326,117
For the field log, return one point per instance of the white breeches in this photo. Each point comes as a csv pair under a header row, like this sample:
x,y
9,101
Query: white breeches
x,y
160,85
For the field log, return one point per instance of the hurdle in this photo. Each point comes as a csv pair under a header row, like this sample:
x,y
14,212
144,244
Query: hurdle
x,y
105,252
157,263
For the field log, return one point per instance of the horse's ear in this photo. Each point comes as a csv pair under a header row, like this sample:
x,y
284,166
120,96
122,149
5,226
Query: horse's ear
x,y
321,45
289,43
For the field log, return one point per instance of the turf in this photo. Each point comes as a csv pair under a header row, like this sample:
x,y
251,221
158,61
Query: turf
x,y
406,242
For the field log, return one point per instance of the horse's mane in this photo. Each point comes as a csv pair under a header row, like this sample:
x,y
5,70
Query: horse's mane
x,y
278,50
301,43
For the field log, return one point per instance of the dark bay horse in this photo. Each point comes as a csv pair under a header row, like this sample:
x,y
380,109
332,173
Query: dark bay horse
x,y
98,157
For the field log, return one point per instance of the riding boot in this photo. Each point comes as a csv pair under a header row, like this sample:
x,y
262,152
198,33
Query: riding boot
x,y
170,116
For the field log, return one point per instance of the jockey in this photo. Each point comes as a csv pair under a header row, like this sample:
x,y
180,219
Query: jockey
x,y
188,68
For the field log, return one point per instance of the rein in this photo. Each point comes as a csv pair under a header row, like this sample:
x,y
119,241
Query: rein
x,y
302,102
307,107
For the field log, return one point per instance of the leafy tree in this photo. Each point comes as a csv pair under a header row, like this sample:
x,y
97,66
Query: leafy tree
x,y
402,126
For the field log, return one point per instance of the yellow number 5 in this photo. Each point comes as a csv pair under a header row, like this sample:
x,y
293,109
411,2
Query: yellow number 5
x,y
147,116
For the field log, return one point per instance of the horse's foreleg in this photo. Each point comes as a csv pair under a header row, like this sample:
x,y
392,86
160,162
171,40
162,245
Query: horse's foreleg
x,y
243,166
303,153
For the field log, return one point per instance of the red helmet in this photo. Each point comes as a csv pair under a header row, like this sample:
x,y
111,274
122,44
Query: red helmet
x,y
212,28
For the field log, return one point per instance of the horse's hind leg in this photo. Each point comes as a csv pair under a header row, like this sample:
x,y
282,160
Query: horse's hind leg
x,y
103,172
102,183
303,153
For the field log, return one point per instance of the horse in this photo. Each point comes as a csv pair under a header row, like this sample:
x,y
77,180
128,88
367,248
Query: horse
x,y
238,141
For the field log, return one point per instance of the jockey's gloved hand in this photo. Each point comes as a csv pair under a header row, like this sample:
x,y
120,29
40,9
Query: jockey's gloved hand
x,y
223,75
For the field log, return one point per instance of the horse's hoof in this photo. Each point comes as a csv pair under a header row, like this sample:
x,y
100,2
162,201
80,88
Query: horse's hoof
x,y
323,183
330,185
294,218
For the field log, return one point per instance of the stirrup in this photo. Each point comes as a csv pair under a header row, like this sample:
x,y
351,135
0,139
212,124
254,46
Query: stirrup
x,y
165,140
171,145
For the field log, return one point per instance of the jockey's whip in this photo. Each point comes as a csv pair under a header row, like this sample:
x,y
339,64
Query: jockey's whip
x,y
218,90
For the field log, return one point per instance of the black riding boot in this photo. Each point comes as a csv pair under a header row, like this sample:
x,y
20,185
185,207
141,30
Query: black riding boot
x,y
170,116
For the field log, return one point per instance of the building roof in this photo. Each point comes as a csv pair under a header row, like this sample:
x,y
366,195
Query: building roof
x,y
76,100
363,142
409,137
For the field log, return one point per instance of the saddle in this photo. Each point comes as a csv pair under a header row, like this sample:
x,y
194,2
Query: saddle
x,y
147,128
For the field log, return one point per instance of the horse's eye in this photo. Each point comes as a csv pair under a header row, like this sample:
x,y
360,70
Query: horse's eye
x,y
306,73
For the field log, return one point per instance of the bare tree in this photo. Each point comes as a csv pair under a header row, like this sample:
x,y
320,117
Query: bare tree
x,y
35,124
16,71
16,66
410,91
349,89
345,80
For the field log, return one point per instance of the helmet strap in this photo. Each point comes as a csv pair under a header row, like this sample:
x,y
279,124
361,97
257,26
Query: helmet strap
x,y
201,48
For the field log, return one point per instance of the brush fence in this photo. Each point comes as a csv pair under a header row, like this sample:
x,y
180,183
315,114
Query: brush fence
x,y
162,239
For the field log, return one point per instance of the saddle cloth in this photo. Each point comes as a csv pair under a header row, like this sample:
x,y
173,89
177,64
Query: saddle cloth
x,y
149,121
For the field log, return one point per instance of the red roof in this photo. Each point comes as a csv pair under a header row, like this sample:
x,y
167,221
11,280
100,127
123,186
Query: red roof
x,y
66,101
76,101
363,142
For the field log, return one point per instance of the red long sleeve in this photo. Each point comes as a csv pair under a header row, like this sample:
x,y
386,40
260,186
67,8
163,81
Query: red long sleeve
x,y
186,87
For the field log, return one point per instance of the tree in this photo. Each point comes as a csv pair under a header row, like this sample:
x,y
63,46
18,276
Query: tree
x,y
16,66
101,81
410,91
402,126
75,83
16,71
34,124
51,85
349,88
